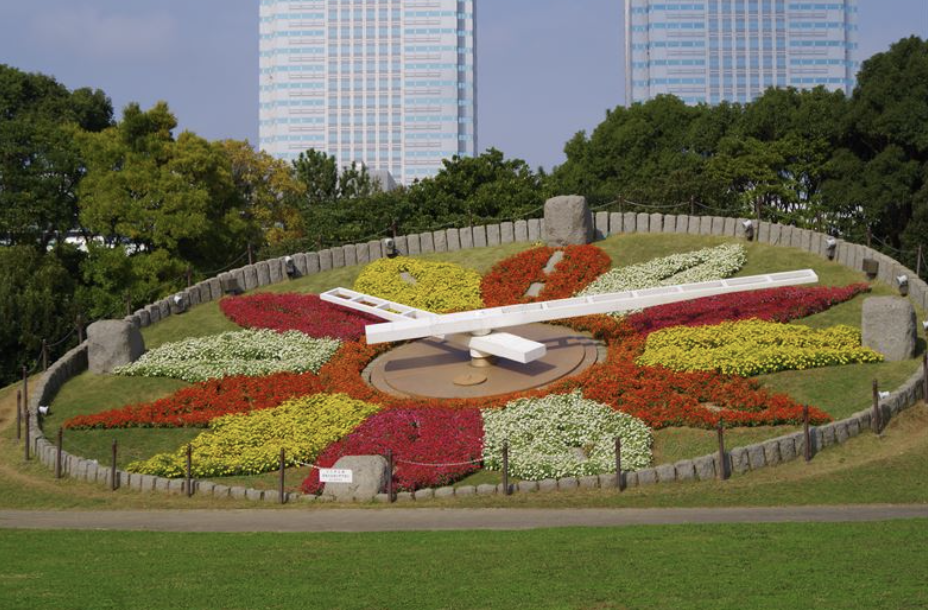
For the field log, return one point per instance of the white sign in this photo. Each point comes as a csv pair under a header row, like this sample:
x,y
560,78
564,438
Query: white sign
x,y
335,475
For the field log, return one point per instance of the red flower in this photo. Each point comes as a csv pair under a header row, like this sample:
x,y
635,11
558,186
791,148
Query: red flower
x,y
306,313
431,446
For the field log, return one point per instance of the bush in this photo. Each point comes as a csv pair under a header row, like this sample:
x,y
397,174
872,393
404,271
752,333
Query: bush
x,y
419,439
563,435
247,352
306,313
250,443
436,287
754,347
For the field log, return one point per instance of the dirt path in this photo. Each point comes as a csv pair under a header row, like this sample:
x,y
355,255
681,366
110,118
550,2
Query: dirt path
x,y
347,520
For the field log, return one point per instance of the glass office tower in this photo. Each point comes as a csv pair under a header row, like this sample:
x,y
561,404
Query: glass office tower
x,y
732,50
387,83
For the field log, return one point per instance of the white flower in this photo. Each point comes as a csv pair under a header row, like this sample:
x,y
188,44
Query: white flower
x,y
563,435
247,352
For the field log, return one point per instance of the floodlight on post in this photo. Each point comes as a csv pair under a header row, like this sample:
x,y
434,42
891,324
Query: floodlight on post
x,y
902,282
389,247
289,266
178,304
831,247
748,226
44,410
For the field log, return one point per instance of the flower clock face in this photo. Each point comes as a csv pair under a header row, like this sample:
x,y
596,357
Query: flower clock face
x,y
293,379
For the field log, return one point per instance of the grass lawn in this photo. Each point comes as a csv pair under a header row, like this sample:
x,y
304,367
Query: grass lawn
x,y
771,566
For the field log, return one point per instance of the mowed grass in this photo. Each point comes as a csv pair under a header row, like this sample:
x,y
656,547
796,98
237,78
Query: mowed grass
x,y
767,566
840,391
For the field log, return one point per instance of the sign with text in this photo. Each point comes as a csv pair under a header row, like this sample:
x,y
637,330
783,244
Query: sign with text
x,y
335,475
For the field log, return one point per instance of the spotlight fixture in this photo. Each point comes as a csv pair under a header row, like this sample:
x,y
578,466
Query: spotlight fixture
x,y
178,304
884,395
748,229
925,325
389,247
44,410
831,247
289,266
902,282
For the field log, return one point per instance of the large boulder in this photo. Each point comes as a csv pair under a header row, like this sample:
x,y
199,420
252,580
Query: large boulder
x,y
369,477
568,221
890,327
111,344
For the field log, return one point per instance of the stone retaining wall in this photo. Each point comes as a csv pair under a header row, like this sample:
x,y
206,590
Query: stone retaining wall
x,y
739,460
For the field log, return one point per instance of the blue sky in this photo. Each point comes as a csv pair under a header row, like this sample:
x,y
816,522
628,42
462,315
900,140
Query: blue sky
x,y
547,68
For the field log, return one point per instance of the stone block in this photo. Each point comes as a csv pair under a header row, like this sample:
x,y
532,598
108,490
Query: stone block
x,y
853,427
277,270
547,485
568,483
220,491
666,473
382,499
841,433
606,481
705,467
264,273
568,221
738,457
375,249
890,327
325,260
718,225
772,452
312,263
111,344
683,224
453,239
486,490
467,238
776,234
299,259
465,490
237,493
648,476
731,227
427,241
493,235
507,232
255,495
363,254
705,225
695,225
602,226
444,492
404,497
535,229
615,223
642,223
670,223
686,470
424,494
402,245
165,306
338,258
756,456
629,222
656,223
369,474
215,288
154,313
591,482
763,232
440,239
350,254
787,449
415,247
480,237
827,436
521,230
205,295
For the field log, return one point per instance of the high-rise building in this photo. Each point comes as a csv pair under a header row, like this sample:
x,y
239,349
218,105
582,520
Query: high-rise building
x,y
733,50
387,83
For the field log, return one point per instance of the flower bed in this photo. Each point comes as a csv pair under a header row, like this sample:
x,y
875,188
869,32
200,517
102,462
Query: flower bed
x,y
420,439
250,443
437,287
197,405
775,304
509,280
563,435
754,347
691,267
247,352
306,313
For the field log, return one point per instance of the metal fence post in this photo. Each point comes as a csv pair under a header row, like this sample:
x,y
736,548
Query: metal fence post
x,y
877,412
283,463
506,489
806,434
26,444
189,470
19,414
723,469
619,479
58,453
